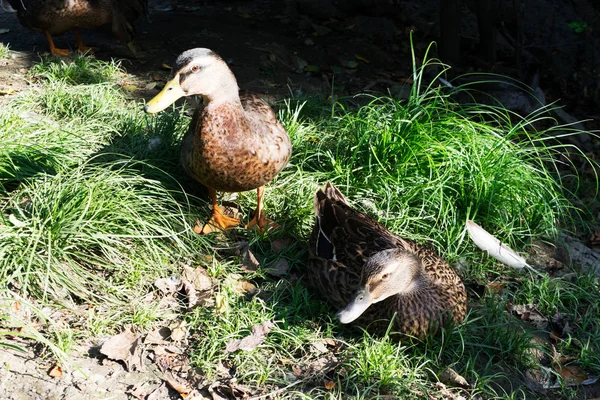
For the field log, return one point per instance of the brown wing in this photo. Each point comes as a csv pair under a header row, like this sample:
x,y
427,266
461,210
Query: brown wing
x,y
333,280
271,141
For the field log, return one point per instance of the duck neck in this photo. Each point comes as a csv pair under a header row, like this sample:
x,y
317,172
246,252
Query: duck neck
x,y
417,283
226,90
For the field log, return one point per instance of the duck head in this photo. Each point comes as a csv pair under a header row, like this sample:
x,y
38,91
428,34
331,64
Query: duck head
x,y
386,273
197,72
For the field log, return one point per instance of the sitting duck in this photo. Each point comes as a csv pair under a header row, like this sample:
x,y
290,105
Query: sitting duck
x,y
234,143
55,17
373,276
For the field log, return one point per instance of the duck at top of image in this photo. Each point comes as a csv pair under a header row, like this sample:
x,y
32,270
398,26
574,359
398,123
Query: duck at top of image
x,y
56,17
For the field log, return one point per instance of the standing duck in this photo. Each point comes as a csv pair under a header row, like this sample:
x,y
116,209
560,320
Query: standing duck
x,y
55,17
372,275
234,143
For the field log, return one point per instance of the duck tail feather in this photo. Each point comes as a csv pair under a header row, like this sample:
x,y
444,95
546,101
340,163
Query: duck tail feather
x,y
333,193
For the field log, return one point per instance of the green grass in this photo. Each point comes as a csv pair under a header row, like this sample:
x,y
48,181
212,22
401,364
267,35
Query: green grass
x,y
80,70
94,208
4,51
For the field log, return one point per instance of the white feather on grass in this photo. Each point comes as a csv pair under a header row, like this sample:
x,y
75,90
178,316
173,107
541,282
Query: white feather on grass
x,y
495,248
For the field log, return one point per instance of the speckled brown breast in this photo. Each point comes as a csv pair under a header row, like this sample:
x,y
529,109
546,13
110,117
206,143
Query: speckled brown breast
x,y
236,149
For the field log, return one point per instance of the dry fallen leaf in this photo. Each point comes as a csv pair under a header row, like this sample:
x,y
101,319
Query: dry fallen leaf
x,y
197,285
158,336
198,277
280,244
249,261
319,347
150,86
245,288
7,91
322,365
124,347
328,384
452,378
279,268
496,287
298,372
160,393
56,371
250,342
181,387
223,390
190,292
178,331
530,313
168,285
571,373
221,304
138,391
362,58
559,327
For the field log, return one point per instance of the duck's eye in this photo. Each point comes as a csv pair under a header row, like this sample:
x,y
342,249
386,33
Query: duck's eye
x,y
385,277
195,68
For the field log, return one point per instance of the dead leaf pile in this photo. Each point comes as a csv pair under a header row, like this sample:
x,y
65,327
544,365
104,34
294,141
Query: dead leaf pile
x,y
563,370
568,369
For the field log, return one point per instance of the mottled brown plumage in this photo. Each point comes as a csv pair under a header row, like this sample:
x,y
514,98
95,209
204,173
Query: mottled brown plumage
x,y
234,143
352,256
55,17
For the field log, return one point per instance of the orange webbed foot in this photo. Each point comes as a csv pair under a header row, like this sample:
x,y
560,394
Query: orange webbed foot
x,y
85,49
82,48
217,223
262,223
55,51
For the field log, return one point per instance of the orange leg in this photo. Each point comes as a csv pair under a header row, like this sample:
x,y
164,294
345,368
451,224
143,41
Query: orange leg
x,y
80,46
218,222
263,223
54,50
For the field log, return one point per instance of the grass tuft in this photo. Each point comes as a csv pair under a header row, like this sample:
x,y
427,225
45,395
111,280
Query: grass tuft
x,y
82,69
4,51
59,230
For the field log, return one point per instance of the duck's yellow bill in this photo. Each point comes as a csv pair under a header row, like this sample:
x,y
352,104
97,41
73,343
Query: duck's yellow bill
x,y
356,307
170,93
